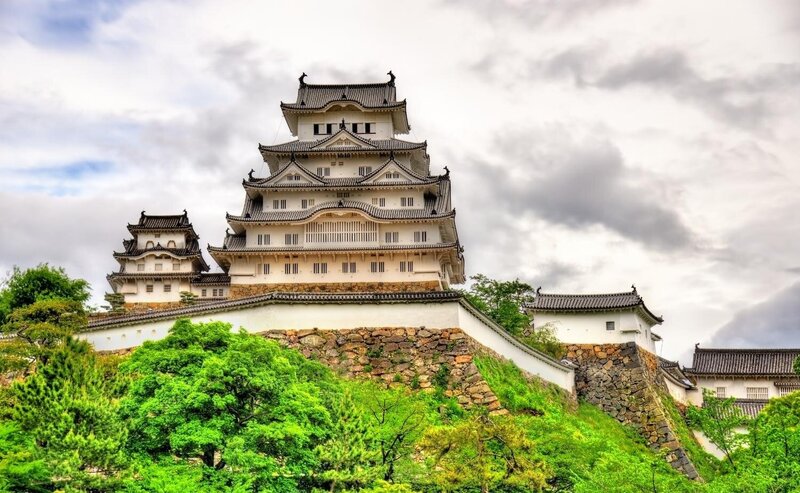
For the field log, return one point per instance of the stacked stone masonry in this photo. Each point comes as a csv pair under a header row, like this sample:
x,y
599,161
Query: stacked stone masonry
x,y
624,381
413,356
245,290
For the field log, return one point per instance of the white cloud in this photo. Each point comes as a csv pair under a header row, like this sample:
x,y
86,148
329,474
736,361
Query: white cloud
x,y
175,96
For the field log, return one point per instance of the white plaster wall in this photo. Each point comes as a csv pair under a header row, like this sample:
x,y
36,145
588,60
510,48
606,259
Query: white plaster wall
x,y
590,328
676,391
294,198
347,167
350,316
149,261
738,387
244,270
406,232
384,129
137,292
163,238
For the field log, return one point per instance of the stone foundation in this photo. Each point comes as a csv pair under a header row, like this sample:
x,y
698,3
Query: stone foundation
x,y
624,381
417,357
144,307
245,290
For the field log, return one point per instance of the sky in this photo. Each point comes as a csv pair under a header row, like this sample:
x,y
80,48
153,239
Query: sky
x,y
593,145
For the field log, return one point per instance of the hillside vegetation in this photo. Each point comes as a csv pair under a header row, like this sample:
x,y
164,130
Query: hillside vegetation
x,y
208,409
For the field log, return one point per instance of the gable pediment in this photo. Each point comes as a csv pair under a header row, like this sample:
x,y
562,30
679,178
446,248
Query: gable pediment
x,y
344,138
391,172
293,173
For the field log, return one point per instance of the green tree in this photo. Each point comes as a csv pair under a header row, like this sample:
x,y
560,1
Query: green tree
x,y
719,420
26,287
484,452
188,298
502,301
347,458
21,468
544,339
69,410
34,331
239,403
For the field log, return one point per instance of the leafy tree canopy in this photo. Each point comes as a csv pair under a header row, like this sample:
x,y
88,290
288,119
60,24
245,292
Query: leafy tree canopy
x,y
502,301
234,401
43,282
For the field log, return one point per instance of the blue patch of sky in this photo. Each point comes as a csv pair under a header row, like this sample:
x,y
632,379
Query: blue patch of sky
x,y
59,180
67,23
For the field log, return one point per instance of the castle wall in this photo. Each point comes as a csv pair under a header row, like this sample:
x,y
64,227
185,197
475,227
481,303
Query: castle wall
x,y
624,381
258,317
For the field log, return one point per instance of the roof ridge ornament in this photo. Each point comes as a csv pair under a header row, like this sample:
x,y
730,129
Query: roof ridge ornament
x,y
391,155
250,174
633,287
291,157
539,289
302,79
447,174
342,126
391,78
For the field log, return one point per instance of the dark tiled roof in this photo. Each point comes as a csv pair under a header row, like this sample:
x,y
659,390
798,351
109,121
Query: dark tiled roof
x,y
163,223
672,370
374,95
377,145
372,211
236,243
353,181
192,248
278,297
215,278
744,362
589,303
150,275
751,407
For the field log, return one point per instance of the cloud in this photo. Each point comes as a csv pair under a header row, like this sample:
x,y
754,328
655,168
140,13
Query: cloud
x,y
584,183
535,12
774,323
743,100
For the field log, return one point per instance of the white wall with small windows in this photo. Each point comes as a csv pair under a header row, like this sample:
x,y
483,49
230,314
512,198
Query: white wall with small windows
x,y
381,124
320,268
614,327
154,291
354,229
142,239
294,200
151,263
740,388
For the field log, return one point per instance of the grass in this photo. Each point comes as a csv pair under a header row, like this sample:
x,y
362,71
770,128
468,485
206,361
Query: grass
x,y
587,449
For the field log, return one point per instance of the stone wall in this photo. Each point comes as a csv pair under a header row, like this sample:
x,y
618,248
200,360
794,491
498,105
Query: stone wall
x,y
245,290
418,357
624,381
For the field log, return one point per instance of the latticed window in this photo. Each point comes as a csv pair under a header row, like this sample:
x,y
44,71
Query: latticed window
x,y
149,288
290,269
292,239
406,201
262,269
320,268
323,171
364,170
167,288
407,266
379,201
140,267
392,237
420,236
341,232
757,393
306,203
159,267
392,175
279,204
722,392
203,292
349,267
609,325
176,266
263,239
377,266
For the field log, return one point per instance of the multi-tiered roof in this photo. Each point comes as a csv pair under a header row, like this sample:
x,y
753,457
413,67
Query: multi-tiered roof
x,y
394,166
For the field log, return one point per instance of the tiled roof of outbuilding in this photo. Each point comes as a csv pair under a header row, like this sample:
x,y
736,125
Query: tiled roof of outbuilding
x,y
215,278
589,303
745,362
751,407
672,370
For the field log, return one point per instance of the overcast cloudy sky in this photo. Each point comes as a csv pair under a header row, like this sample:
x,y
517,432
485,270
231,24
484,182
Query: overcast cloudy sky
x,y
592,144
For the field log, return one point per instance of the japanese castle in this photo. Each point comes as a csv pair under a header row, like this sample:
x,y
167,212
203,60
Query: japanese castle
x,y
347,207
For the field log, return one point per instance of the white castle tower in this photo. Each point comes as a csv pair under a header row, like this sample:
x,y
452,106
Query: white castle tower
x,y
347,206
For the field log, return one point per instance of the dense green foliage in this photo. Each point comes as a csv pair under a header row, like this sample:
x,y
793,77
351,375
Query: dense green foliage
x,y
719,419
25,287
206,409
503,302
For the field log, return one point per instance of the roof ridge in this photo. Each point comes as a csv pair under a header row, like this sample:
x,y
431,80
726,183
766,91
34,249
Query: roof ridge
x,y
588,294
747,350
